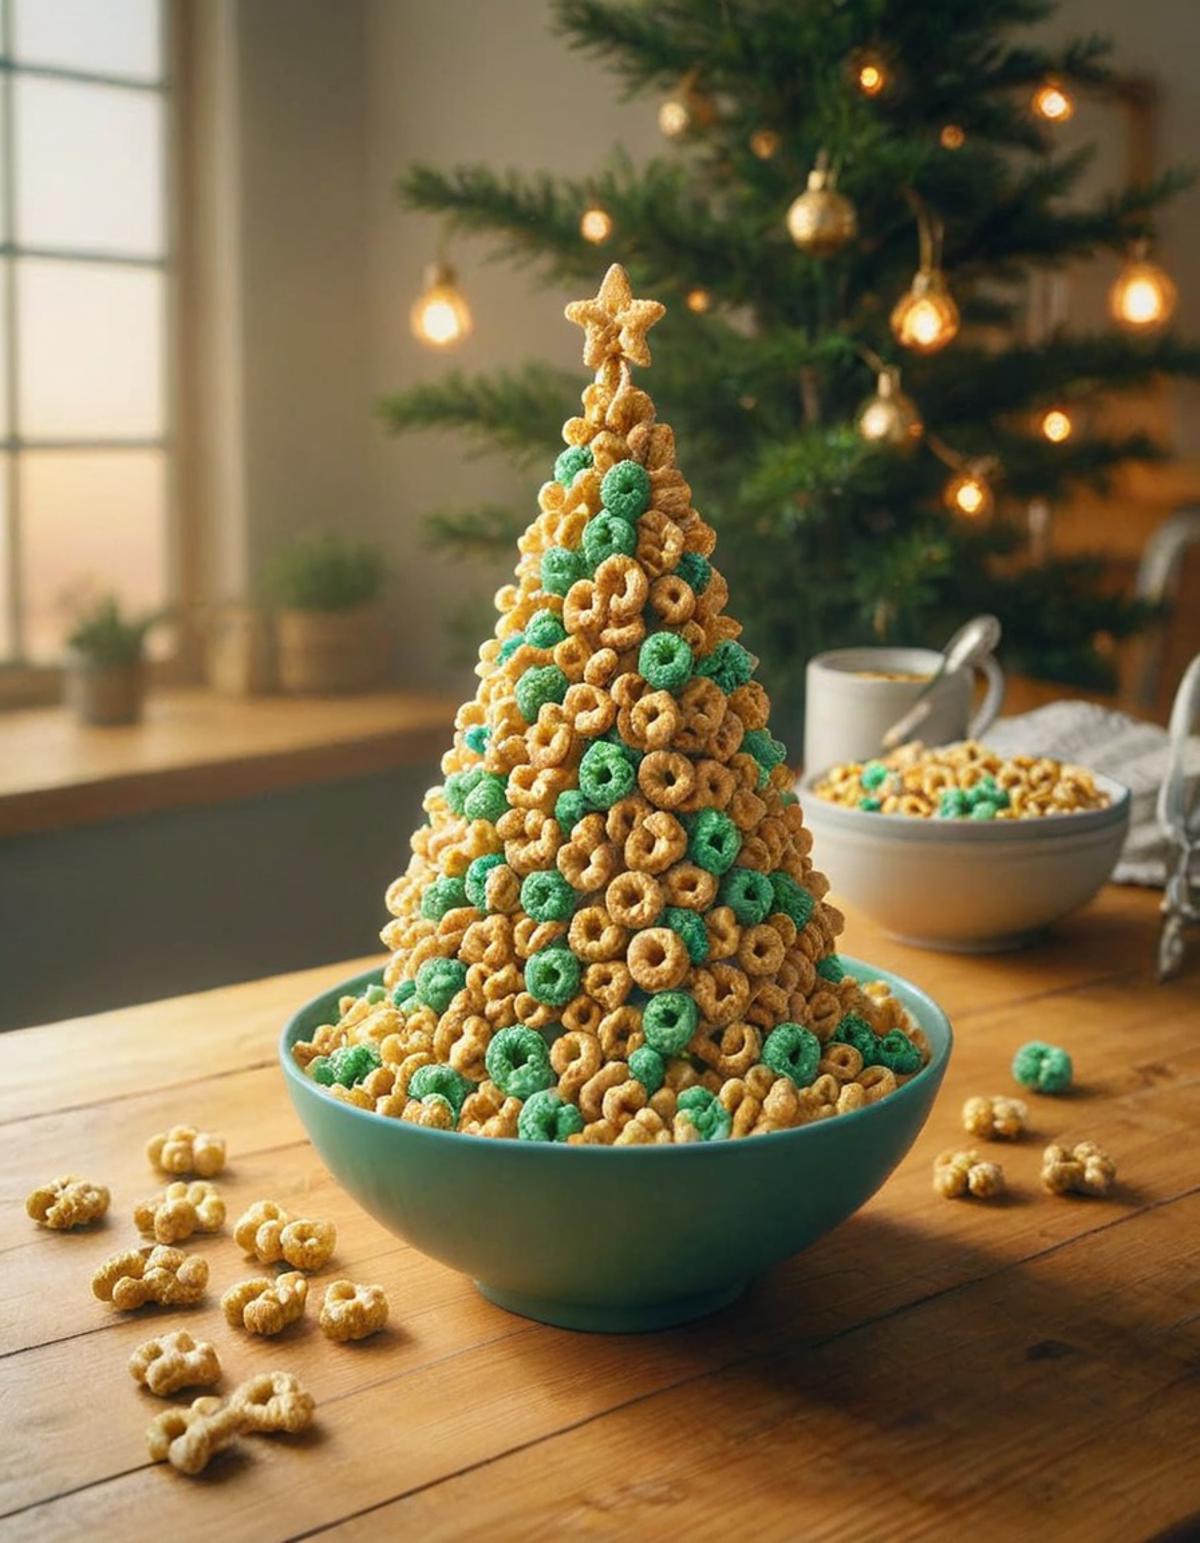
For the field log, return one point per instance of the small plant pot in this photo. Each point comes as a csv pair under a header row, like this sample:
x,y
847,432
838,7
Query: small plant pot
x,y
238,652
324,652
105,694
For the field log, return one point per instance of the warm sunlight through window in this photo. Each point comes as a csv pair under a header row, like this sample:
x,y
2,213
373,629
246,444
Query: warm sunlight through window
x,y
84,477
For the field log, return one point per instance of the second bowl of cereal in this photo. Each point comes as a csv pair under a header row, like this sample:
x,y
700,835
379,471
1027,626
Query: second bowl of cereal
x,y
958,848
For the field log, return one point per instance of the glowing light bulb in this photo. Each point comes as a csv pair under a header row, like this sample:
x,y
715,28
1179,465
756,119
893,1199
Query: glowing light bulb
x,y
698,300
952,137
1053,102
871,79
440,316
764,143
1143,297
1056,425
595,225
890,417
925,319
674,118
968,493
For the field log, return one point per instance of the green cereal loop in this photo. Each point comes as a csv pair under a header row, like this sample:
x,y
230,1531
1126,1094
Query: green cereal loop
x,y
374,994
874,774
668,1021
855,1030
792,898
764,747
788,797
573,460
347,1066
403,991
648,1067
665,660
634,756
439,981
544,630
541,683
476,880
897,1052
626,490
443,1080
560,569
729,664
983,809
694,570
792,1051
545,1116
510,645
606,536
547,896
706,1112
748,894
714,841
457,785
605,774
552,976
487,799
870,805
518,1062
441,896
1042,1068
953,804
830,969
690,928
569,808
476,737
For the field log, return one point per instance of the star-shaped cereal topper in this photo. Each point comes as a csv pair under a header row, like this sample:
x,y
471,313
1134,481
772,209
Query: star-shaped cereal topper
x,y
614,323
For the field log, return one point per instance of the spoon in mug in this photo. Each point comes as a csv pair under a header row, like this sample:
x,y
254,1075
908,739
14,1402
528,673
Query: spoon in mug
x,y
973,641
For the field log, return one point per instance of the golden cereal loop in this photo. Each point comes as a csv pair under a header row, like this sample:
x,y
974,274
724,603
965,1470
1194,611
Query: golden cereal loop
x,y
273,1401
1084,1168
307,1244
608,982
995,1119
180,1210
258,1230
654,720
264,1306
658,959
67,1202
667,778
690,886
184,1149
165,1276
352,1312
634,899
960,1174
594,936
188,1438
656,844
173,1361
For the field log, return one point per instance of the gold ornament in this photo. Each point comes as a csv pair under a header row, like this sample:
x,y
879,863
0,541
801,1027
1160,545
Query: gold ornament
x,y
821,220
765,143
440,316
1143,297
595,225
952,137
969,493
698,300
1053,102
614,323
688,110
926,318
1056,425
890,417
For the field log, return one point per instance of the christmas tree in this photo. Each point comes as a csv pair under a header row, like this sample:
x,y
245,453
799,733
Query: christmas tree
x,y
611,930
854,501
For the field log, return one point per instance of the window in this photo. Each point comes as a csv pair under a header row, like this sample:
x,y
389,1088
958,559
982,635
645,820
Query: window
x,y
84,314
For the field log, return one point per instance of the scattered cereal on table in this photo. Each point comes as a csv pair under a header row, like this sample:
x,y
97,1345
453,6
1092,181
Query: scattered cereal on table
x,y
154,1273
181,1209
173,1361
183,1149
267,1233
995,1119
273,1401
1042,1068
67,1202
188,1438
958,1174
352,1312
1084,1169
266,1305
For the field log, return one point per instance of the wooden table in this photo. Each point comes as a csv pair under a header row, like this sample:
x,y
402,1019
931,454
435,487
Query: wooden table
x,y
932,1369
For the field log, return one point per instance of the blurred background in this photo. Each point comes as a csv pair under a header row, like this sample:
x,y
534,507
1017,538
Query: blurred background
x,y
206,292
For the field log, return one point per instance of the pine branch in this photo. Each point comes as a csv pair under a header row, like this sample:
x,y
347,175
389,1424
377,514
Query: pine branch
x,y
479,531
517,411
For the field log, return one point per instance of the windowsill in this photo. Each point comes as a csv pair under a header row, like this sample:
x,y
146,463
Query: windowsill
x,y
195,747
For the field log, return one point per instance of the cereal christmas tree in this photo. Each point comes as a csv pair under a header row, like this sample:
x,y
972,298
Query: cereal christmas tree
x,y
611,930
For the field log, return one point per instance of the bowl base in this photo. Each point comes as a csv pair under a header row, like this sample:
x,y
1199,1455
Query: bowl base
x,y
1002,944
606,1318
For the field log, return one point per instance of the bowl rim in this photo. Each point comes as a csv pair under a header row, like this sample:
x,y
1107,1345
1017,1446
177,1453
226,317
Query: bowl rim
x,y
1046,826
858,968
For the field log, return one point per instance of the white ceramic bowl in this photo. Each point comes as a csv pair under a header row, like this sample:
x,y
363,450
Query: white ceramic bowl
x,y
971,886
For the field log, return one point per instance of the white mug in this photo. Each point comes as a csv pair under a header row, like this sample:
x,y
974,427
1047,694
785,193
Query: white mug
x,y
854,695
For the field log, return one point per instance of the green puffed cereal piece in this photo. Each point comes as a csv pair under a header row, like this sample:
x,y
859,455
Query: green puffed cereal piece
x,y
540,683
320,1071
569,808
402,992
476,879
792,898
457,785
792,1051
748,894
573,460
560,569
547,896
552,976
953,804
487,800
510,645
606,536
714,841
983,809
668,1021
764,747
897,1052
870,805
374,994
626,490
694,570
439,981
476,738
690,927
518,1062
546,1116
352,1063
1042,1068
830,969
874,773
544,630
441,896
605,774
443,1080
855,1030
706,1112
648,1067
634,756
665,660
729,664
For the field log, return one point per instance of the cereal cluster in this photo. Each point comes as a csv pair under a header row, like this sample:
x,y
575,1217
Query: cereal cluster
x,y
67,1202
1083,1168
959,1174
965,781
188,1437
611,931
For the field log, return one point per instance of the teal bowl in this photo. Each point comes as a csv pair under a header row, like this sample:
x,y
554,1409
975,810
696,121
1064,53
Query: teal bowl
x,y
614,1238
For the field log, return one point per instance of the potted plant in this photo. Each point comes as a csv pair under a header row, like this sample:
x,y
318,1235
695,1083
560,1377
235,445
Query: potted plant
x,y
329,630
104,675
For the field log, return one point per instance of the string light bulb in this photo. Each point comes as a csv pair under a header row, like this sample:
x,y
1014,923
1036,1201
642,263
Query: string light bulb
x,y
969,493
890,417
821,220
925,318
687,110
765,143
870,74
440,316
1056,425
698,300
1143,296
595,224
1053,102
952,137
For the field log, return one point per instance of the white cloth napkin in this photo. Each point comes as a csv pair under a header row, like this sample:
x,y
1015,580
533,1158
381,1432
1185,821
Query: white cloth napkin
x,y
1133,752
